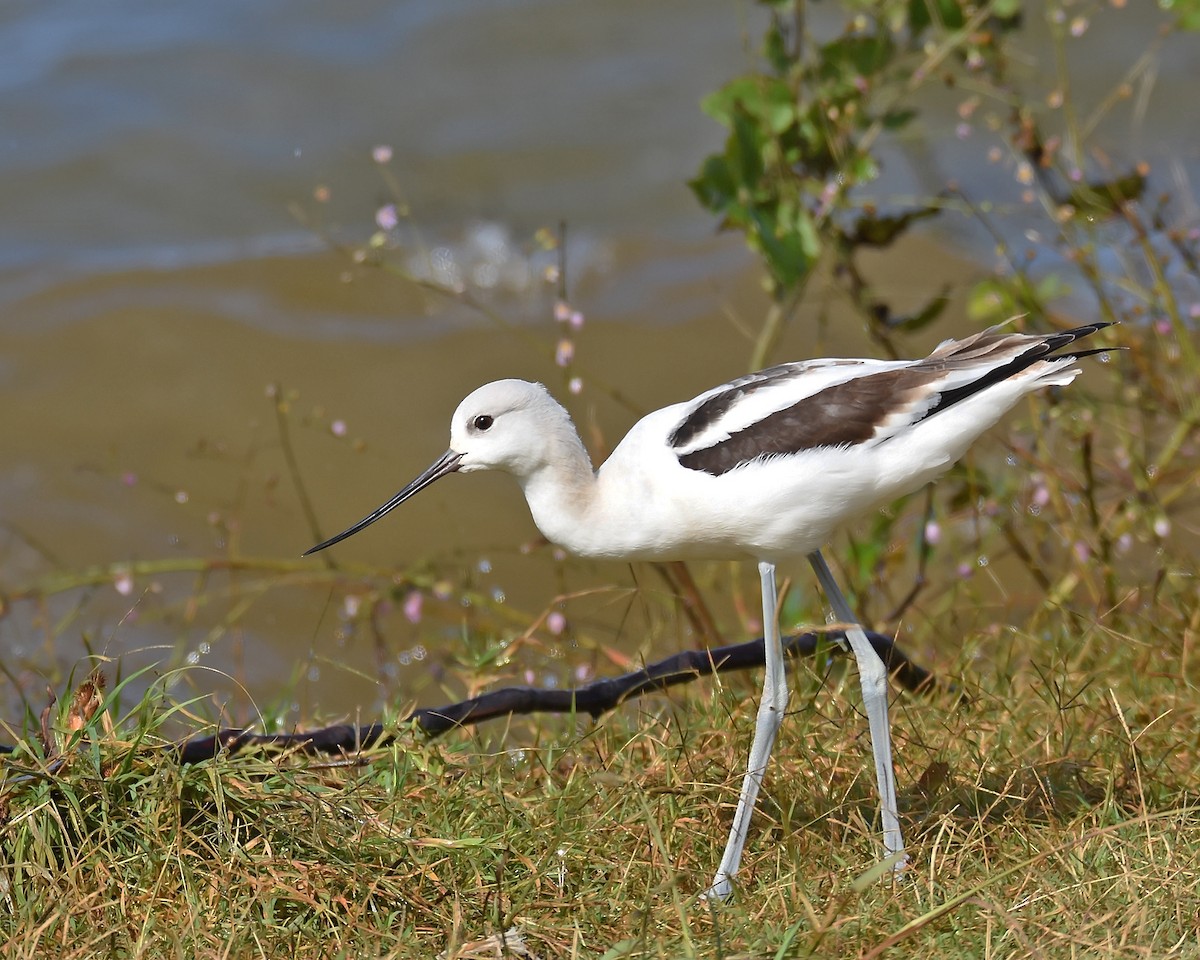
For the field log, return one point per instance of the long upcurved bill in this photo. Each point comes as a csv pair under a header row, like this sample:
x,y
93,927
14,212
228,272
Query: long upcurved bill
x,y
447,463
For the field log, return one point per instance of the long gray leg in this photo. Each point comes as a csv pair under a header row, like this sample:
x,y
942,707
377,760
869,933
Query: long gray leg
x,y
873,676
770,715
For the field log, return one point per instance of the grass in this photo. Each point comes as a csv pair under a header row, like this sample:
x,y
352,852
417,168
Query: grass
x,y
1050,816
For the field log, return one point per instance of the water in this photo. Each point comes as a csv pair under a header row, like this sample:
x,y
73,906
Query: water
x,y
155,282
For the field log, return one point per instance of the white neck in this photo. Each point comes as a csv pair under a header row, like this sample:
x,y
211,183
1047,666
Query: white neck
x,y
560,491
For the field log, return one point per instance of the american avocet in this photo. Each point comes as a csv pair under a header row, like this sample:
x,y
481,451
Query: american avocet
x,y
764,467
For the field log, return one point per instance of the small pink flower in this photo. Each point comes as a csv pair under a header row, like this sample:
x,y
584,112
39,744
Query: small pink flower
x,y
386,217
564,353
382,154
575,320
412,606
123,583
575,385
338,428
562,311
933,533
556,622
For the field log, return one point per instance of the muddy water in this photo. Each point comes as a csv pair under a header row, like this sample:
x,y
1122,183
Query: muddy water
x,y
156,440
154,286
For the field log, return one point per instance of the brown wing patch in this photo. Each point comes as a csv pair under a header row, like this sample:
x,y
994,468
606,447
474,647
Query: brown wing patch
x,y
712,409
852,412
840,415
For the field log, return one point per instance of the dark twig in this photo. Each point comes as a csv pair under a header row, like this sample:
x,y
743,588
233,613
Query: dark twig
x,y
593,700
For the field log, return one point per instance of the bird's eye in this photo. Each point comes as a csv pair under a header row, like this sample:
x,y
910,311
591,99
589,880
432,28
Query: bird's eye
x,y
483,422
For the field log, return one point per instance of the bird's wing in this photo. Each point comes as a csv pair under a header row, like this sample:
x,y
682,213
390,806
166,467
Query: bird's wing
x,y
826,403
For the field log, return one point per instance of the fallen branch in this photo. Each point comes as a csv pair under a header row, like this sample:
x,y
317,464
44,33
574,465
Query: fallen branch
x,y
594,699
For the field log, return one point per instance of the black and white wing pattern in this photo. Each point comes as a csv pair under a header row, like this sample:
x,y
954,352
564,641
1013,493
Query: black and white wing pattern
x,y
834,403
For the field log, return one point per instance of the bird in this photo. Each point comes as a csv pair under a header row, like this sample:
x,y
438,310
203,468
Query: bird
x,y
763,468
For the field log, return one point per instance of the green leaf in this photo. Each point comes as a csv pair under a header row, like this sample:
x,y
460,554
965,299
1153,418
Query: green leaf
x,y
775,50
721,102
927,314
1104,198
744,150
768,100
875,231
896,119
714,186
990,301
781,257
847,57
861,168
786,238
1187,12
946,14
805,229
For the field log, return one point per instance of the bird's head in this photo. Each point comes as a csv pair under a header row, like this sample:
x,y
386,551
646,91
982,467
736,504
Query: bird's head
x,y
509,425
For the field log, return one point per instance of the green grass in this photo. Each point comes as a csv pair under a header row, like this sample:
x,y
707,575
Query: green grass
x,y
1054,819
